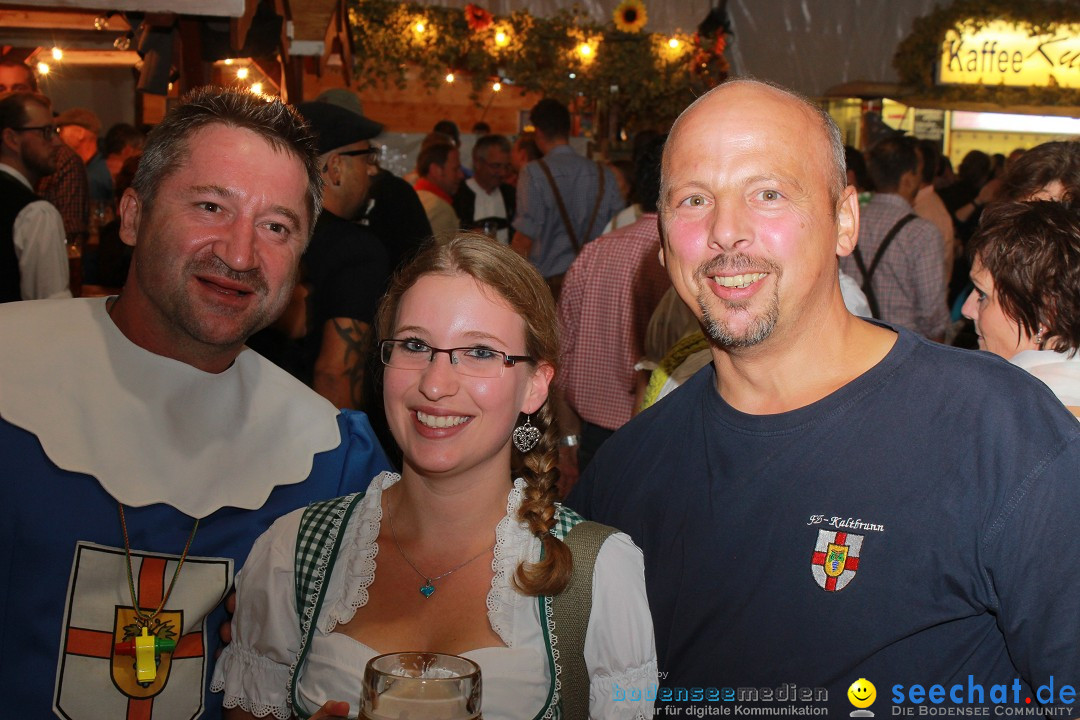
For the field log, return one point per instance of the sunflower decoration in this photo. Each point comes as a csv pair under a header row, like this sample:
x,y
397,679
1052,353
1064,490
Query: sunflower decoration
x,y
477,18
630,16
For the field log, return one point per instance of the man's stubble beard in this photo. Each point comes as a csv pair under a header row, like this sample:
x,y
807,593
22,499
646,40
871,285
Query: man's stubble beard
x,y
719,330
194,319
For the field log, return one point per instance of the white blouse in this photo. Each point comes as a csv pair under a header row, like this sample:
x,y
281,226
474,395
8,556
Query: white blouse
x,y
619,647
1059,370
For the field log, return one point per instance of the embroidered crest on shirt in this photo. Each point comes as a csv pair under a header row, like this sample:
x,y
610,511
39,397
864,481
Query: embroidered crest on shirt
x,y
836,559
92,680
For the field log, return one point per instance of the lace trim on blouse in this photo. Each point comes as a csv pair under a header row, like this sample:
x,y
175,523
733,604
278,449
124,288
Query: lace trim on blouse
x,y
361,548
513,544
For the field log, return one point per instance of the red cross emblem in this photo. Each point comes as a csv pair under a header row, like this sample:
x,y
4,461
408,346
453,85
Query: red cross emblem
x,y
836,559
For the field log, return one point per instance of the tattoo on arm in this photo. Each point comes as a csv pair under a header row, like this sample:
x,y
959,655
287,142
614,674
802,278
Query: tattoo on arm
x,y
355,337
339,368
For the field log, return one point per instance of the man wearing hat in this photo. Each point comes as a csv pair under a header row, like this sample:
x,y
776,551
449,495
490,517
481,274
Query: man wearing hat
x,y
393,210
79,129
345,264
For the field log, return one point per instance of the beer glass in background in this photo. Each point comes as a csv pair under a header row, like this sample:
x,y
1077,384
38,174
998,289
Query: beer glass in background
x,y
420,686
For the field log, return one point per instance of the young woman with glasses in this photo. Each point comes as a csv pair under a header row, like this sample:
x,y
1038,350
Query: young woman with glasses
x,y
462,552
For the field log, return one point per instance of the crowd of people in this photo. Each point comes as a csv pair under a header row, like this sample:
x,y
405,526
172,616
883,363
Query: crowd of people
x,y
627,435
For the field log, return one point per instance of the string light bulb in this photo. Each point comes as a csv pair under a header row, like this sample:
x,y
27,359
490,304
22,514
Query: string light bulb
x,y
242,73
57,53
43,68
584,50
674,43
228,61
449,77
501,39
496,86
419,27
257,88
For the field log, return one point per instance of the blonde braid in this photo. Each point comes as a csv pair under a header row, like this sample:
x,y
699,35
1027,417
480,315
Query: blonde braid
x,y
550,575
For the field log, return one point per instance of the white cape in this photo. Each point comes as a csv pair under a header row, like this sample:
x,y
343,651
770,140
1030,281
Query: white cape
x,y
149,428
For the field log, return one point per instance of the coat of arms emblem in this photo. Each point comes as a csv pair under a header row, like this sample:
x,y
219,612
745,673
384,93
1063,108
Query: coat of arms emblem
x,y
93,680
836,559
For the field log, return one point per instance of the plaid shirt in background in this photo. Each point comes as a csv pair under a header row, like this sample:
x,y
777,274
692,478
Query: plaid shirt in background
x,y
608,296
910,280
68,189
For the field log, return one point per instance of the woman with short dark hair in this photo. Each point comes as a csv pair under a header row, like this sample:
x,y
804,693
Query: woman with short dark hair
x,y
1026,301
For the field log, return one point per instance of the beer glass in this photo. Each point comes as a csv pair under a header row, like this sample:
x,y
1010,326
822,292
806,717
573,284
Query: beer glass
x,y
421,686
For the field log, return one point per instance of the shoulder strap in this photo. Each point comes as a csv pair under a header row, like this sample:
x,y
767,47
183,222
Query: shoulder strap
x,y
596,205
570,614
868,274
317,543
561,205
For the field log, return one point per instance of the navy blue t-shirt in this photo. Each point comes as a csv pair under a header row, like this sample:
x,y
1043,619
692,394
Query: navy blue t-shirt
x,y
916,527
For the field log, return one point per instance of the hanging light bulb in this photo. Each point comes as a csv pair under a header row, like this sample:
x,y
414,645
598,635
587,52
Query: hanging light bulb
x,y
242,73
496,86
449,77
57,53
43,68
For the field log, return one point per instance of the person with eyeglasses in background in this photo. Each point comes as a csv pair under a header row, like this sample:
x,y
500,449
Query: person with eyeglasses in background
x,y
67,188
33,256
345,264
485,202
467,551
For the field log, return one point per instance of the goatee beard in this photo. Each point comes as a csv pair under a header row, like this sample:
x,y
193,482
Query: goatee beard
x,y
720,330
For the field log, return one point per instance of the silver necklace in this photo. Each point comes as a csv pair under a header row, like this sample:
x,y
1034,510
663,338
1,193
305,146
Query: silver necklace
x,y
428,588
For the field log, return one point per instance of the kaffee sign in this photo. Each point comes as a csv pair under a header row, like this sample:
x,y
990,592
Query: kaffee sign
x,y
1001,53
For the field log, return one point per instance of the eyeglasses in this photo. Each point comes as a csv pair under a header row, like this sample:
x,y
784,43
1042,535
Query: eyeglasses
x,y
497,166
473,361
47,131
372,152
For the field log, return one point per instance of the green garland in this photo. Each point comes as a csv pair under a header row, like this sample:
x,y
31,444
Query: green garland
x,y
635,75
917,55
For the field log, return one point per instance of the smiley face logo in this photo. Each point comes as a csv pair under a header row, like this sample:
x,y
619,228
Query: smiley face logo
x,y
862,693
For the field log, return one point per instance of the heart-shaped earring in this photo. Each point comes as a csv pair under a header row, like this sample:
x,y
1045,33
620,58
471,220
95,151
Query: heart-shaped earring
x,y
526,436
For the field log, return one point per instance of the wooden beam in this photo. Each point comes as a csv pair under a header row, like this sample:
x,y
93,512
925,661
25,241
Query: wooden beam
x,y
193,71
338,40
310,18
218,8
271,68
60,20
293,90
238,27
95,58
